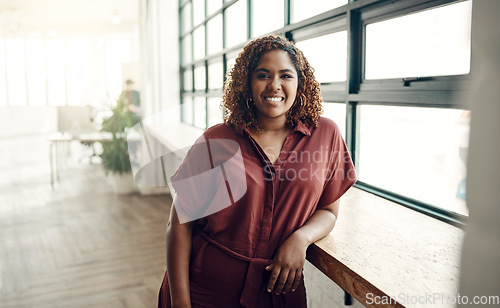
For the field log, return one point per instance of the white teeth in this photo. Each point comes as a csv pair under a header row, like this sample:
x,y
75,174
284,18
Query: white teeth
x,y
274,99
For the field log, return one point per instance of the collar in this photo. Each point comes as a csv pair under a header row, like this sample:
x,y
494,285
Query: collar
x,y
300,127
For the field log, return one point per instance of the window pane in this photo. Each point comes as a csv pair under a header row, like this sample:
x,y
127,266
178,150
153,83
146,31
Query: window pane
x,y
3,81
199,78
118,51
327,54
188,80
417,152
16,72
214,33
15,58
215,76
198,11
303,9
78,73
212,6
55,73
266,16
199,43
186,18
35,56
37,92
429,43
336,112
200,112
215,113
187,55
236,23
187,110
230,63
17,93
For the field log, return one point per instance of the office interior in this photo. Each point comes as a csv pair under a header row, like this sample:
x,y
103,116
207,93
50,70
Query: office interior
x,y
412,85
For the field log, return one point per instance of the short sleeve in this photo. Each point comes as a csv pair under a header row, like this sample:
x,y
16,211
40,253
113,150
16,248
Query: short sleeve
x,y
202,182
341,173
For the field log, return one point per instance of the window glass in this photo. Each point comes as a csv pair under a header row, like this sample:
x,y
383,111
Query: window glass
x,y
78,71
186,50
188,80
198,11
213,6
56,85
187,110
430,43
16,68
327,54
199,78
230,63
215,114
199,43
35,57
266,16
417,152
303,9
336,112
215,76
200,112
186,18
214,33
3,81
236,23
118,51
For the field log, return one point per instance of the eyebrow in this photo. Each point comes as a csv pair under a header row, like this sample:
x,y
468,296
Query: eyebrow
x,y
267,71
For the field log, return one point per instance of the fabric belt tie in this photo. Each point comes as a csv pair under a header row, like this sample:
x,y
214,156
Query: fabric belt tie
x,y
255,272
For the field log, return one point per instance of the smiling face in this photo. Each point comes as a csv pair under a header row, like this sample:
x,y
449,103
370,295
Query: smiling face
x,y
274,84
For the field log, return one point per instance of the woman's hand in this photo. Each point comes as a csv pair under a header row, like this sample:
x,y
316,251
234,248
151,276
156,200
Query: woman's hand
x,y
287,265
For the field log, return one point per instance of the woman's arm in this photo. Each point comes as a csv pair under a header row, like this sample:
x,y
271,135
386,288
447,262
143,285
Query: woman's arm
x,y
179,239
289,261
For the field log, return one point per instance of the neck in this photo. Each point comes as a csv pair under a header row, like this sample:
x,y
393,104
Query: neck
x,y
277,125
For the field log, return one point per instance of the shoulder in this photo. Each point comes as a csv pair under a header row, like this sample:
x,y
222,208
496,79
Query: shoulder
x,y
220,130
327,126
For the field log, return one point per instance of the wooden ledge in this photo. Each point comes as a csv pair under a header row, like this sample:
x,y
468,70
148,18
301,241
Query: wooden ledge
x,y
177,137
380,250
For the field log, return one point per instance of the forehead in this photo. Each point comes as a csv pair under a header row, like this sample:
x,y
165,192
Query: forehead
x,y
276,59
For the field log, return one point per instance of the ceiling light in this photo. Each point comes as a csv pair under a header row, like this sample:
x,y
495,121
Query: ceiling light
x,y
116,19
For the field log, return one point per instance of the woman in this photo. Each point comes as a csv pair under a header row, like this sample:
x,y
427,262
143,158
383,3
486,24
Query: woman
x,y
296,167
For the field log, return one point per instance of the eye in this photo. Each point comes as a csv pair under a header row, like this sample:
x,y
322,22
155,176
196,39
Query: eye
x,y
262,76
287,76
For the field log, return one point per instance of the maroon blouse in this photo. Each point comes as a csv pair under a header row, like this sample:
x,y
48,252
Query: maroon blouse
x,y
231,247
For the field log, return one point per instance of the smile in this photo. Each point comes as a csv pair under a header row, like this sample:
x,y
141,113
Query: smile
x,y
274,99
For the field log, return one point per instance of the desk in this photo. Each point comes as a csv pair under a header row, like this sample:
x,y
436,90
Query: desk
x,y
59,148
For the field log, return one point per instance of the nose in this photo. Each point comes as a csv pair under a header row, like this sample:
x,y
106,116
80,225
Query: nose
x,y
274,85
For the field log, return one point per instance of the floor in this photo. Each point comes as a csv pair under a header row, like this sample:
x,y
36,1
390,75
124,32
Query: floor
x,y
76,244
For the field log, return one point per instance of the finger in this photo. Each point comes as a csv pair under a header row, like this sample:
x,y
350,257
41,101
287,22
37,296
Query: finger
x,y
289,282
298,277
280,283
274,277
270,267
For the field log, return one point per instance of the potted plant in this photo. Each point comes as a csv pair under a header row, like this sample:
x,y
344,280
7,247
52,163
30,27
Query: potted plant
x,y
115,155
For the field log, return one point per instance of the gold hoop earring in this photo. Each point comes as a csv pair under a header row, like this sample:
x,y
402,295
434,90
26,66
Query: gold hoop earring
x,y
248,106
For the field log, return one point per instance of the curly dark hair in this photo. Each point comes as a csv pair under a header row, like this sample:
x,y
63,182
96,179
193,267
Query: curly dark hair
x,y
237,90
